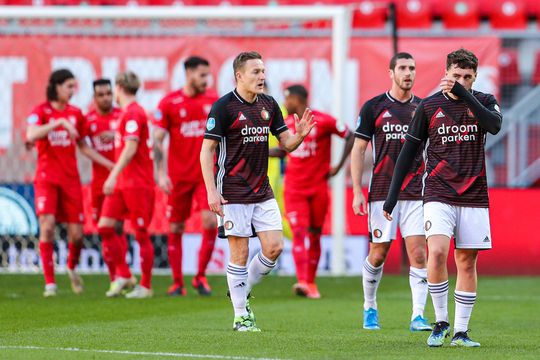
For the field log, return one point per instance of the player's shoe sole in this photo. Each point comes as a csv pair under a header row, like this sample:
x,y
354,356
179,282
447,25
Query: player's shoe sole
x,y
440,332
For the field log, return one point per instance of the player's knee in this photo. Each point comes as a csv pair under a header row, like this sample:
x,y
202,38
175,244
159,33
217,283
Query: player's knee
x,y
274,250
208,220
438,256
418,258
46,234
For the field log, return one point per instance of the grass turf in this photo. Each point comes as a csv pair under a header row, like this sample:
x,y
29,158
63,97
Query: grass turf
x,y
505,321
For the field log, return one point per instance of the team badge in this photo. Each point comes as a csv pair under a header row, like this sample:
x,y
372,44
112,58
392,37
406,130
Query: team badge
x,y
228,225
427,226
158,115
358,121
265,114
131,126
210,124
377,233
32,119
183,113
93,127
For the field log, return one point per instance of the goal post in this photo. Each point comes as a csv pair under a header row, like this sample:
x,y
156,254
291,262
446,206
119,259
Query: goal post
x,y
340,34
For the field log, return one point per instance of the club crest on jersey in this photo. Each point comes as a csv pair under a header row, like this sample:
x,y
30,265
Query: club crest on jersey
x,y
265,114
210,124
228,225
131,126
93,127
377,233
183,112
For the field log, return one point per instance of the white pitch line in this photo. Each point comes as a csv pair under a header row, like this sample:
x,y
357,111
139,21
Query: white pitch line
x,y
126,352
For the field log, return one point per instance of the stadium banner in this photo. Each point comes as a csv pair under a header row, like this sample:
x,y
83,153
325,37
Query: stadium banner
x,y
26,61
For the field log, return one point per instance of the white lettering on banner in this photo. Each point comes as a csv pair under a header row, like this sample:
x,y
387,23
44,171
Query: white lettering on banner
x,y
395,131
14,70
149,68
284,72
84,73
457,133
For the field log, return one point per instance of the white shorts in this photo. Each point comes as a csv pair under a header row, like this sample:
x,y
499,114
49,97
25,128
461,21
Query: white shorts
x,y
264,216
409,215
469,226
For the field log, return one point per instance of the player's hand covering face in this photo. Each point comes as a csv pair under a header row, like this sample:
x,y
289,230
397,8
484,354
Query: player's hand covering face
x,y
305,124
465,77
404,73
251,77
66,90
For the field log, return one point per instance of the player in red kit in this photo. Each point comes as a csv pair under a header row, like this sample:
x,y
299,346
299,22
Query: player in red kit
x,y
182,114
56,127
129,190
101,124
306,187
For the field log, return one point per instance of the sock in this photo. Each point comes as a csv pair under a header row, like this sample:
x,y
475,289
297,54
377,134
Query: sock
x,y
464,305
439,296
46,250
74,254
174,251
300,255
205,252
371,277
259,266
147,257
123,241
314,254
419,290
111,244
237,280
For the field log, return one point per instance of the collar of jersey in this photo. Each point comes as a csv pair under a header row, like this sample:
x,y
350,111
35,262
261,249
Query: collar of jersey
x,y
244,101
397,101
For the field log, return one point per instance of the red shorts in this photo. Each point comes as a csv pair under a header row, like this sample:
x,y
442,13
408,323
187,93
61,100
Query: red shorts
x,y
137,205
97,204
64,201
306,208
182,197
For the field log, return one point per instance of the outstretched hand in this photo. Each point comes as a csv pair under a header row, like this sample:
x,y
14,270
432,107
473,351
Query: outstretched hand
x,y
304,125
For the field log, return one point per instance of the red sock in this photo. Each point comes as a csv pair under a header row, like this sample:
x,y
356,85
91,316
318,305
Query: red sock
x,y
46,250
112,251
299,254
74,254
147,256
314,254
205,252
174,250
123,241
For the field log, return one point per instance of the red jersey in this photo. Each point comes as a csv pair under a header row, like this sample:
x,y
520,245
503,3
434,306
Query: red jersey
x,y
184,118
96,125
57,161
139,172
309,164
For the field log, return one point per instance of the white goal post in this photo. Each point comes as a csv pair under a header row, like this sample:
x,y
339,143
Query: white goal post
x,y
341,28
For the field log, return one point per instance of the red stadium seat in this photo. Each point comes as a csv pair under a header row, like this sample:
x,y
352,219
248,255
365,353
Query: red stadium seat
x,y
413,14
508,14
536,72
19,2
532,8
509,67
62,2
369,14
461,14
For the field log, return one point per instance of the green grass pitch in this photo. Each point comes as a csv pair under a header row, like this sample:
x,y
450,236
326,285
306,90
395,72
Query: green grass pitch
x,y
505,320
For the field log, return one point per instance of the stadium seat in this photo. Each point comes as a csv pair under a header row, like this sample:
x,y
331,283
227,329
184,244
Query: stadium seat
x,y
536,72
532,8
509,67
62,2
461,14
19,2
369,14
508,14
413,14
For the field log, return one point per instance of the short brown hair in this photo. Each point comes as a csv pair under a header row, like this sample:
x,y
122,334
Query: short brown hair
x,y
128,81
396,57
463,58
241,59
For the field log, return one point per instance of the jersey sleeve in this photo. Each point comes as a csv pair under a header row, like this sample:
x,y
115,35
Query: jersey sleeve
x,y
418,131
278,124
81,125
365,126
338,128
217,122
133,126
36,117
160,117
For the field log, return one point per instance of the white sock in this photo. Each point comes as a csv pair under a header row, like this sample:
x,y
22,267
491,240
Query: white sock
x,y
237,280
371,277
439,296
259,266
419,290
464,305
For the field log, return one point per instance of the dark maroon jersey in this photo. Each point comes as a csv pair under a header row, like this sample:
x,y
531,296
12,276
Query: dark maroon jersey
x,y
455,160
384,121
242,129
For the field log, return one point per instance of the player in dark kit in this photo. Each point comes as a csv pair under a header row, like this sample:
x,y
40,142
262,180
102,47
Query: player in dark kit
x,y
384,120
238,126
454,124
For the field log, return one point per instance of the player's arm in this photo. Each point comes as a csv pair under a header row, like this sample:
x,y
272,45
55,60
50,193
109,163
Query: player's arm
x,y
93,155
415,136
164,181
349,142
35,132
357,169
490,118
129,150
208,152
290,142
277,152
